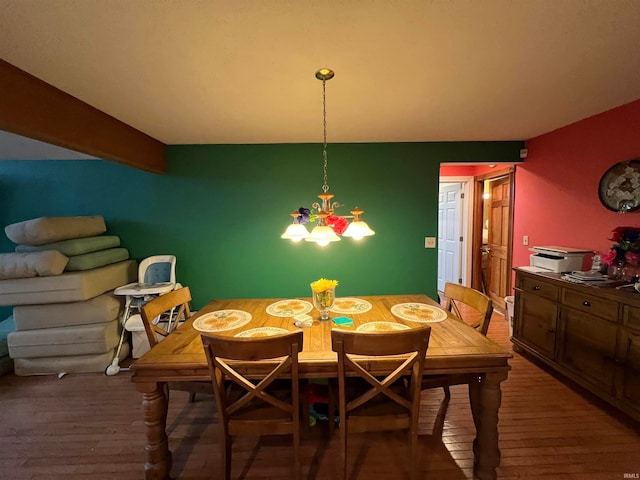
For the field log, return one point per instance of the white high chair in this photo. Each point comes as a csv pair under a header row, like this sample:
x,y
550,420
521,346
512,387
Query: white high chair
x,y
156,276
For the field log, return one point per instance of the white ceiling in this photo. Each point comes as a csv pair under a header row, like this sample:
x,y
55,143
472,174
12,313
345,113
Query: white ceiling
x,y
16,147
241,71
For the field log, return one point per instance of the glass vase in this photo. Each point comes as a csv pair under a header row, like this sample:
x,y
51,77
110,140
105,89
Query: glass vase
x,y
630,273
614,271
323,301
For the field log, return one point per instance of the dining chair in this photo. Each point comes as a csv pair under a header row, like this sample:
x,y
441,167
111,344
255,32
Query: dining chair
x,y
368,403
173,307
166,304
475,309
256,407
460,298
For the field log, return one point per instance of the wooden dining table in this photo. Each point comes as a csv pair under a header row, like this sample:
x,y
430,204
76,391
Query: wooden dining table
x,y
454,349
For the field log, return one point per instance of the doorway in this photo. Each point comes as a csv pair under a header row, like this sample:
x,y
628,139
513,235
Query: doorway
x,y
484,225
492,239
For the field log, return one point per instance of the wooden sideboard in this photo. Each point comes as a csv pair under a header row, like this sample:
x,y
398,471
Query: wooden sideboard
x,y
589,334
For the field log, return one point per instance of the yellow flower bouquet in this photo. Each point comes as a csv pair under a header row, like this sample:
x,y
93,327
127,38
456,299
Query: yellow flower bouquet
x,y
323,294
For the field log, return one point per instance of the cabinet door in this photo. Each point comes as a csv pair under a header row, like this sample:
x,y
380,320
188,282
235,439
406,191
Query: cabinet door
x,y
588,347
629,356
536,323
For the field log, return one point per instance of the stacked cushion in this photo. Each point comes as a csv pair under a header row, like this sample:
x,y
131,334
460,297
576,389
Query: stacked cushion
x,y
64,341
68,287
60,282
32,264
87,261
101,309
39,231
84,253
67,364
6,363
76,246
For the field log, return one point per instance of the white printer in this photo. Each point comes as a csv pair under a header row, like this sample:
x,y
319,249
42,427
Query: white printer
x,y
558,259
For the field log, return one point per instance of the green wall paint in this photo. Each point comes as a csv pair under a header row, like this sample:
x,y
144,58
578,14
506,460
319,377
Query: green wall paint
x,y
221,209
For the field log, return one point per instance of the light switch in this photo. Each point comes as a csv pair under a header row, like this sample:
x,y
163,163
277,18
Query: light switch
x,y
525,239
429,242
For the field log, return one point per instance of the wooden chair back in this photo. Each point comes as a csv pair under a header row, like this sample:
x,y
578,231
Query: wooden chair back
x,y
478,301
264,407
169,302
370,403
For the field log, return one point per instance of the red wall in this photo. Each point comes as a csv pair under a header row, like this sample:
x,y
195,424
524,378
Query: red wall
x,y
466,170
556,199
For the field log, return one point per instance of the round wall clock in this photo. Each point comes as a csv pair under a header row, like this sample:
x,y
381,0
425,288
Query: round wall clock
x,y
619,188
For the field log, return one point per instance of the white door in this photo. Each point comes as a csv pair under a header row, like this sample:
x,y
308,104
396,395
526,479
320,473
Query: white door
x,y
449,243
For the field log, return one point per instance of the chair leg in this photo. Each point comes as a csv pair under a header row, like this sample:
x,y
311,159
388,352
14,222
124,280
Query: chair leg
x,y
343,441
447,392
296,454
413,452
304,404
192,397
332,394
438,424
226,456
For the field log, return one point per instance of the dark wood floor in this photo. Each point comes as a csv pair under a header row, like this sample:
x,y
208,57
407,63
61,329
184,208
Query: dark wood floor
x,y
90,427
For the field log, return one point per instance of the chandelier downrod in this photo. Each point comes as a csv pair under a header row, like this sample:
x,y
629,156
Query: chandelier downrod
x,y
324,74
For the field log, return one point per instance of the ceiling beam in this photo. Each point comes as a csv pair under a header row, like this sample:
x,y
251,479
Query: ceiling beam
x,y
36,109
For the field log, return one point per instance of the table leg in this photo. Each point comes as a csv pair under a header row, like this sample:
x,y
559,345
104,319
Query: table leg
x,y
485,397
154,405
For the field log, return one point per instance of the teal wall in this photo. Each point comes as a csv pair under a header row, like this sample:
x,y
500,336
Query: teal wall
x,y
222,208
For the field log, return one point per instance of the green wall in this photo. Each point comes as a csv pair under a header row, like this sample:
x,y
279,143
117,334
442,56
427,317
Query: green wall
x,y
222,208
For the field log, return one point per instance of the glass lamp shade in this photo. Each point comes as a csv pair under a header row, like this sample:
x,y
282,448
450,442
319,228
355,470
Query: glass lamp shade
x,y
357,230
322,235
295,232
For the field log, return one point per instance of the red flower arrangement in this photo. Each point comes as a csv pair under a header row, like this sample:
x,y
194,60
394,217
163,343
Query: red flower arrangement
x,y
627,247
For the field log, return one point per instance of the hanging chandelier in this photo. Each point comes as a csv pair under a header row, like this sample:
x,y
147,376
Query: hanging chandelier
x,y
329,226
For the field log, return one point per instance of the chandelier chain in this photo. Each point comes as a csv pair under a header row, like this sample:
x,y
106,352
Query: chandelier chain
x,y
325,187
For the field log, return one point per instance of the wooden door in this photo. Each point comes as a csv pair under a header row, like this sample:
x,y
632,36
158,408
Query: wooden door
x,y
499,267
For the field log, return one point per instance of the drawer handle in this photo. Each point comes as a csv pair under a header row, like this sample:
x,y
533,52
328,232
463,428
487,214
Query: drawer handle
x,y
551,330
537,287
586,303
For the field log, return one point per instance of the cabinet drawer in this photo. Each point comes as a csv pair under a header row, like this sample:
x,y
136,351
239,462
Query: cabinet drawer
x,y
631,317
588,303
540,288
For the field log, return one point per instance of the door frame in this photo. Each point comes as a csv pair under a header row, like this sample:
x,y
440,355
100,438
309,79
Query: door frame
x,y
466,230
476,259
